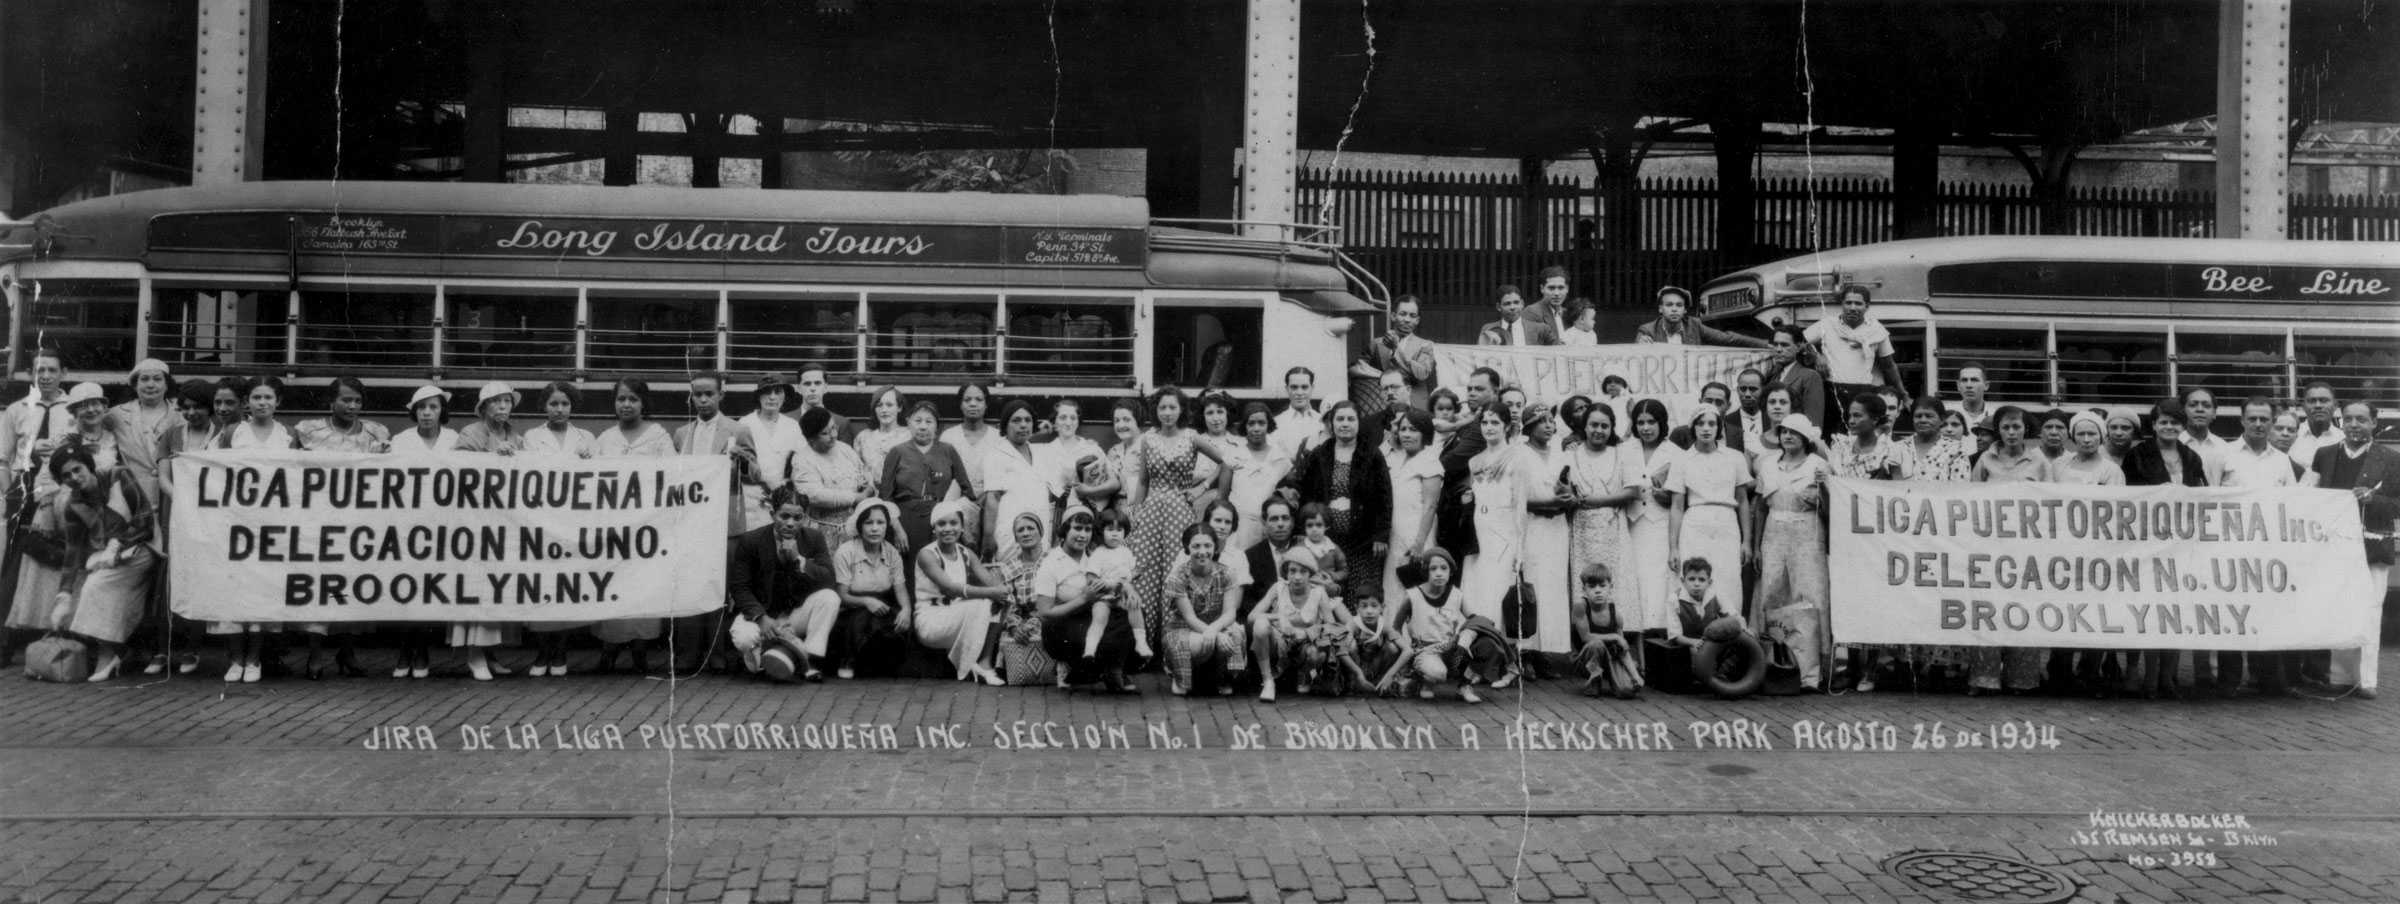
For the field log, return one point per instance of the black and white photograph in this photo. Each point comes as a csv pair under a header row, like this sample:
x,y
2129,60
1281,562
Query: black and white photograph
x,y
764,451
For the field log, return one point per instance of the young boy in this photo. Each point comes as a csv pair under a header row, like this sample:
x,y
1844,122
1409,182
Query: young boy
x,y
1112,585
1605,656
1696,609
1280,625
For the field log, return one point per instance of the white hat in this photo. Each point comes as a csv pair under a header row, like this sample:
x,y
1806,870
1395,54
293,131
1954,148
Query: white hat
x,y
493,390
430,391
85,392
149,366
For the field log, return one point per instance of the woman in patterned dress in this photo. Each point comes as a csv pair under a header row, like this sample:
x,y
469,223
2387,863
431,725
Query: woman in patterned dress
x,y
342,431
1020,624
830,476
1865,453
634,435
1204,603
1157,482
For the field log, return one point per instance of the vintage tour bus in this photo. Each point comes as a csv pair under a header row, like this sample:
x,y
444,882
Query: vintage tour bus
x,y
399,283
2114,322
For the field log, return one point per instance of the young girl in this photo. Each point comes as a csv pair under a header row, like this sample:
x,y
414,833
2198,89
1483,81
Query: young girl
x,y
1332,567
1605,655
1201,593
1439,643
1111,568
557,437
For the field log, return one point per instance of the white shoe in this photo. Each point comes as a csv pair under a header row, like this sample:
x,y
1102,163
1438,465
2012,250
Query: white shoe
x,y
157,666
233,674
988,676
190,664
480,668
250,673
106,670
1467,693
1266,694
539,671
845,673
400,671
1505,681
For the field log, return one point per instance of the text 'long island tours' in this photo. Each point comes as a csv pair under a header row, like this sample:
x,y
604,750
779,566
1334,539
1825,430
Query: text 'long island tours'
x,y
276,537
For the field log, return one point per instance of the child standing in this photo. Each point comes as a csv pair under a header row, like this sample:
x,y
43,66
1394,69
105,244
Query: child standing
x,y
1112,584
1605,655
1332,567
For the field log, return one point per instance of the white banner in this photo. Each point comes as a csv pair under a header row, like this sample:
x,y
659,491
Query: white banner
x,y
1550,374
2052,565
327,537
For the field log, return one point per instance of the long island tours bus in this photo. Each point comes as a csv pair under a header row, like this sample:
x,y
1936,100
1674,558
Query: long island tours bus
x,y
2113,322
401,283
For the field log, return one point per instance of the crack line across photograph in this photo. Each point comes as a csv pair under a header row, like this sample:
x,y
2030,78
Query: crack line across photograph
x,y
1232,450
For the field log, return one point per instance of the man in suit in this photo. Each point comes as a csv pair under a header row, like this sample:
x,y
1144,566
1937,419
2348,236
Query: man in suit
x,y
782,582
1730,436
813,384
1673,326
2371,473
1551,307
1513,327
1265,558
711,433
1791,370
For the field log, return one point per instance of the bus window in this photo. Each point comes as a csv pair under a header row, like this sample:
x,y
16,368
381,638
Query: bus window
x,y
1085,340
2231,366
782,331
2113,368
213,327
518,333
2357,367
655,334
942,337
89,322
1214,348
386,330
2016,361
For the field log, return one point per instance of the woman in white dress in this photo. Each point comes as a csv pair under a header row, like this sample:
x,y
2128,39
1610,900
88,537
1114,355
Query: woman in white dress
x,y
259,430
557,437
635,435
956,598
1711,519
1648,577
427,409
1501,487
492,433
1548,540
1606,487
1259,465
775,439
1416,486
889,432
1013,481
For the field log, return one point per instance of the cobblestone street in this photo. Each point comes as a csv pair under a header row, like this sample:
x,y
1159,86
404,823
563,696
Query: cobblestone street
x,y
617,788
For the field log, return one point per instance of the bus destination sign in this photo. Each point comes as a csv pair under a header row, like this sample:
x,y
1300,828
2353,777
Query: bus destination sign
x,y
595,238
2213,282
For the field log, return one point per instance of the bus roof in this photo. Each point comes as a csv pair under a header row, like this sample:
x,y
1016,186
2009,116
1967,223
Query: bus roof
x,y
1981,274
465,231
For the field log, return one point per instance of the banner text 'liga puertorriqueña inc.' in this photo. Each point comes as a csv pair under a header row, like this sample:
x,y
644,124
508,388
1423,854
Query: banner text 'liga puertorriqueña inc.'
x,y
2053,565
326,537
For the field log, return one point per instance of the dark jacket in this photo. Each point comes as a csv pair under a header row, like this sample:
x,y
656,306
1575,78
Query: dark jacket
x,y
753,574
1454,524
1808,396
1370,489
1693,332
1263,573
1536,333
2146,467
2380,468
1729,433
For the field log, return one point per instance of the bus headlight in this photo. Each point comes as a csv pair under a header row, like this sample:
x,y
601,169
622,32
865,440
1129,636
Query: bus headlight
x,y
1339,327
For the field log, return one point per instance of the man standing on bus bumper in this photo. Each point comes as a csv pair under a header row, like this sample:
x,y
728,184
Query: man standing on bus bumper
x,y
1404,351
1856,349
2372,475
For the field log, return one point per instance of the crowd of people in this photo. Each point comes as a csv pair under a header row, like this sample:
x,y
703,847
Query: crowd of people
x,y
1406,540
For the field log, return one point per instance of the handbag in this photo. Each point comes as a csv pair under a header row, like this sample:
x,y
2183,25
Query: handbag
x,y
1518,609
57,657
1025,664
44,547
1783,668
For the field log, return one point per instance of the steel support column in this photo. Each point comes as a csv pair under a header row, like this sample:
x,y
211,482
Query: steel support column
x,y
228,121
2253,118
1271,115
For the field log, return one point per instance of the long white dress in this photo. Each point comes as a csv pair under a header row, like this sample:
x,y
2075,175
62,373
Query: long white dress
x,y
652,441
1500,494
1649,584
1548,542
572,443
1409,477
1711,485
1255,475
1023,488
